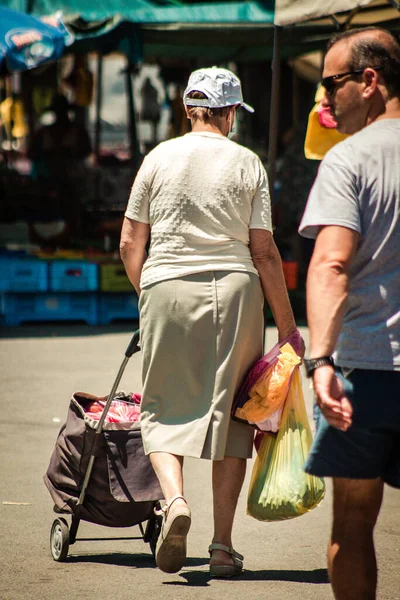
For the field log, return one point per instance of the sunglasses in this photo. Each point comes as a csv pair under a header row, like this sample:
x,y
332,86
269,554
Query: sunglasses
x,y
329,83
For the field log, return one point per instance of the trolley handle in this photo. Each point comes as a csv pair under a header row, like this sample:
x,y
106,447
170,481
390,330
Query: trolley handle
x,y
133,344
131,349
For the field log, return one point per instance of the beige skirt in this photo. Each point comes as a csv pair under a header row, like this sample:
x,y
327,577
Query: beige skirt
x,y
200,334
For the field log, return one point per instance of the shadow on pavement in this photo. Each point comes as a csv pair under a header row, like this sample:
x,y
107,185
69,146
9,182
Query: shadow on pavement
x,y
65,329
123,559
201,579
314,576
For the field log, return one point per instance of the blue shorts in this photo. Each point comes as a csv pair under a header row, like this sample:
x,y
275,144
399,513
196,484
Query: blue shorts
x,y
370,448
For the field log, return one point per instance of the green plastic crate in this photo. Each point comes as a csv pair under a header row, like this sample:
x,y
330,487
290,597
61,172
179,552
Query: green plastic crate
x,y
113,278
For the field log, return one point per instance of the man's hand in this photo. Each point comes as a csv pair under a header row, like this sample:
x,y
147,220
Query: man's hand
x,y
330,397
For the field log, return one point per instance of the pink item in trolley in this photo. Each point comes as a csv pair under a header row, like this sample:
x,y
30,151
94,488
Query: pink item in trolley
x,y
120,411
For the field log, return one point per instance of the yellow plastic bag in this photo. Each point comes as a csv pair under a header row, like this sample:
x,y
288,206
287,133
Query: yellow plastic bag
x,y
319,139
279,487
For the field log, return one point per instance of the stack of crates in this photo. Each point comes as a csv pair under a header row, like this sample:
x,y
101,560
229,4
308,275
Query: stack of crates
x,y
22,280
73,285
117,297
36,290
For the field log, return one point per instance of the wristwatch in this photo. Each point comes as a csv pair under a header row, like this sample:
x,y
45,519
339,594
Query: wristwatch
x,y
311,364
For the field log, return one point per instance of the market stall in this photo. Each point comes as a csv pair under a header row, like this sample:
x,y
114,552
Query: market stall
x,y
62,194
62,260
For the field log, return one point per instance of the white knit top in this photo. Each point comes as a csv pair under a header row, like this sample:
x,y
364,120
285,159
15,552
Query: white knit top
x,y
200,193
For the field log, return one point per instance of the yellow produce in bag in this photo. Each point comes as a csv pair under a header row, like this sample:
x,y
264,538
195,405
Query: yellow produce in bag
x,y
279,487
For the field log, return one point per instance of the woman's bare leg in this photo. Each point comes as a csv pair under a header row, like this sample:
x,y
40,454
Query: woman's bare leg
x,y
227,480
168,468
171,543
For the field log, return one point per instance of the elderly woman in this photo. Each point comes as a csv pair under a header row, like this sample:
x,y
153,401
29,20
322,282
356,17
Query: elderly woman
x,y
211,262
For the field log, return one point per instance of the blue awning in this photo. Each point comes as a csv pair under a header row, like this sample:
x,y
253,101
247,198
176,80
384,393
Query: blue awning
x,y
278,12
216,31
146,11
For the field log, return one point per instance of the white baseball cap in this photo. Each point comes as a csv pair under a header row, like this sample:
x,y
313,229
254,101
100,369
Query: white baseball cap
x,y
221,86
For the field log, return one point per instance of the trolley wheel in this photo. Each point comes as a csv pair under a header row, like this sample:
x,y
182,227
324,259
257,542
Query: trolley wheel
x,y
59,540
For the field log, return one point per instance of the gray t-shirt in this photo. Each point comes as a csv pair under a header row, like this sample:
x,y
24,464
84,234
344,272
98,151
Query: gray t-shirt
x,y
358,187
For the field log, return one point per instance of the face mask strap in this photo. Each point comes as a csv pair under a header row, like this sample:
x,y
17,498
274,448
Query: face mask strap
x,y
232,130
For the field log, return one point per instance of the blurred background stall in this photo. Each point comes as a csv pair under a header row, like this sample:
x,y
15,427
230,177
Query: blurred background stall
x,y
88,88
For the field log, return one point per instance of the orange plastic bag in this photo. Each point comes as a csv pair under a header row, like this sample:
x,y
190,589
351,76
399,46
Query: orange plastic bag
x,y
260,399
267,396
279,487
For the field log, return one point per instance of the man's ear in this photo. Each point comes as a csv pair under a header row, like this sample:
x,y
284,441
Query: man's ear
x,y
370,78
186,111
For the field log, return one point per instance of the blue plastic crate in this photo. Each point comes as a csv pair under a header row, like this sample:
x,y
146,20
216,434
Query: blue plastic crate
x,y
117,306
23,274
19,308
73,276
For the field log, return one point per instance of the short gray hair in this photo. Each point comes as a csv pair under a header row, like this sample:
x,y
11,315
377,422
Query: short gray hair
x,y
199,113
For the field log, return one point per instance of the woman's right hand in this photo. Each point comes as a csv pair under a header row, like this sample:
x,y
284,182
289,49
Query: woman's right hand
x,y
296,341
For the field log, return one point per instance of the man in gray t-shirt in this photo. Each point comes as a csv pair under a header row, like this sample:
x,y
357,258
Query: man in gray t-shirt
x,y
358,187
353,300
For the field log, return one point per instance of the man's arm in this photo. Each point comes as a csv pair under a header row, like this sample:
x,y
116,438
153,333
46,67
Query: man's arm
x,y
327,291
268,263
134,238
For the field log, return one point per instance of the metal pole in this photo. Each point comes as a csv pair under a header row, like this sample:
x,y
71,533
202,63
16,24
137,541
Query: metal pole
x,y
99,101
273,123
295,100
274,110
133,136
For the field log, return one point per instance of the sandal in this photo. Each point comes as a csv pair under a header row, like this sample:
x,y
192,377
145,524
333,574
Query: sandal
x,y
171,544
226,570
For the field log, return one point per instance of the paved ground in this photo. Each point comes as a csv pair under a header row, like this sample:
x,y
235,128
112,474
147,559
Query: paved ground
x,y
40,367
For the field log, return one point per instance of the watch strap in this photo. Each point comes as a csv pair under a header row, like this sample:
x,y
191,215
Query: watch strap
x,y
311,364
